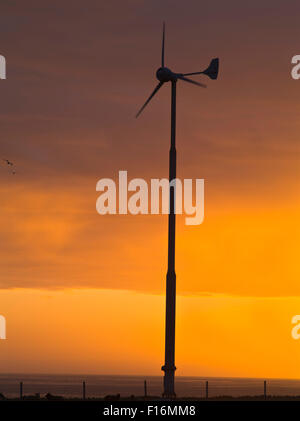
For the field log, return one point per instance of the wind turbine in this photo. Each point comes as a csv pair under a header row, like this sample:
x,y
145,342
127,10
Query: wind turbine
x,y
165,75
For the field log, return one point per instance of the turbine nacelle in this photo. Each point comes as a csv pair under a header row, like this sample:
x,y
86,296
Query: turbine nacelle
x,y
164,74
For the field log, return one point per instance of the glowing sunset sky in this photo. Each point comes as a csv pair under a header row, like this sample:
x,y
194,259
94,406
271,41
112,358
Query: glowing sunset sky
x,y
78,288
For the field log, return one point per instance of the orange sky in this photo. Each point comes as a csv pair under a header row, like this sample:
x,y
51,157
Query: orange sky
x,y
84,293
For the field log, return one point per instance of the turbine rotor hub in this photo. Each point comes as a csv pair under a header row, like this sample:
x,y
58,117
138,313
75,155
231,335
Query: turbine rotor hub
x,y
164,74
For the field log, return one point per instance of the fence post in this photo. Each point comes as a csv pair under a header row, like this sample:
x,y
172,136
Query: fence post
x,y
21,390
265,390
145,388
83,391
206,390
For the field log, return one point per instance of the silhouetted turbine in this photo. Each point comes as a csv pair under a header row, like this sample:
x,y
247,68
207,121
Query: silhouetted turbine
x,y
165,75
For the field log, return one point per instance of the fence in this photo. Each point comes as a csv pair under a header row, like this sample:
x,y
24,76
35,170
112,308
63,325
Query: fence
x,y
204,390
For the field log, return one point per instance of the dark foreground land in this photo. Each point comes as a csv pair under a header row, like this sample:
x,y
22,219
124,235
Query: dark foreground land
x,y
117,398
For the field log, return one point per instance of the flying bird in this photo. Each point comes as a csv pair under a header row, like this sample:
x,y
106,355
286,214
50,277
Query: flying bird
x,y
11,164
8,162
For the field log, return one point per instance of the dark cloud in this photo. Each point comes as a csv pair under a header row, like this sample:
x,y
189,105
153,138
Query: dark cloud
x,y
78,72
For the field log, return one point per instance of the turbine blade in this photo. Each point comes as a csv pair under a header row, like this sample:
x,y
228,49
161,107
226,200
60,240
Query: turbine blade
x,y
190,74
191,81
150,97
163,47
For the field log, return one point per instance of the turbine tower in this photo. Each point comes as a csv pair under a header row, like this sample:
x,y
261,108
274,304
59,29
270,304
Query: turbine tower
x,y
165,75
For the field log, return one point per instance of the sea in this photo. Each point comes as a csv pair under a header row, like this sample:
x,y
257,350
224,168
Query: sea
x,y
103,385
